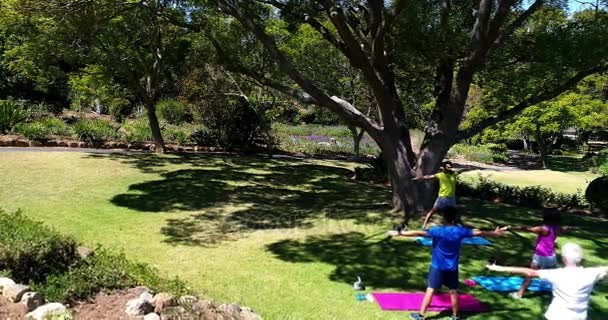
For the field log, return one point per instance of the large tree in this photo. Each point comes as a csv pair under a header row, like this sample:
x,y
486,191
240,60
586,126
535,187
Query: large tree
x,y
130,41
446,46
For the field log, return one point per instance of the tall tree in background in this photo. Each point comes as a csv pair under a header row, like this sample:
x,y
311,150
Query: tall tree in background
x,y
129,41
461,42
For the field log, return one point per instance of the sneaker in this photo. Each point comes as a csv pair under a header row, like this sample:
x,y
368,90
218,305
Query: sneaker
x,y
515,295
416,316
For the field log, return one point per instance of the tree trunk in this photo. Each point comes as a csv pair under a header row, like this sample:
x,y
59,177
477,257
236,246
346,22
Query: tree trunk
x,y
357,136
159,144
542,147
404,192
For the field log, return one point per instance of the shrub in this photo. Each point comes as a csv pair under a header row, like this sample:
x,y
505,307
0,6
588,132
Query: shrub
x,y
177,134
106,271
485,153
31,251
32,131
533,197
11,114
596,192
202,137
137,130
94,130
172,111
54,126
598,162
234,124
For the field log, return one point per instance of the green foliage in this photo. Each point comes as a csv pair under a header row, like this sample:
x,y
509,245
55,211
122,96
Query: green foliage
x,y
177,134
136,130
599,162
596,192
32,131
32,251
94,130
11,114
105,271
532,197
232,122
172,111
202,137
485,153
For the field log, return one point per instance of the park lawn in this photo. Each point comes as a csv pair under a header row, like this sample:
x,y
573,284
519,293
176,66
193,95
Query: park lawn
x,y
285,237
565,174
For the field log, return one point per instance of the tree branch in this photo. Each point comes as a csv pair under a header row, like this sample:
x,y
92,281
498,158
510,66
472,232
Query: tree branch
x,y
516,24
337,105
542,96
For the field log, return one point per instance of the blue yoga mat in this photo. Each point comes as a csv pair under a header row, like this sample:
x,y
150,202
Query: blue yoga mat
x,y
477,241
507,284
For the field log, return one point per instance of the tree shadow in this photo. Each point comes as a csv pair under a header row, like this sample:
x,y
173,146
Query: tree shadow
x,y
566,164
224,198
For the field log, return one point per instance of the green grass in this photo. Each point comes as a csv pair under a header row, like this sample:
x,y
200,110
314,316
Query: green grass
x,y
286,238
565,174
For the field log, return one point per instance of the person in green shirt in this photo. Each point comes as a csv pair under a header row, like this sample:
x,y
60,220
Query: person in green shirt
x,y
447,189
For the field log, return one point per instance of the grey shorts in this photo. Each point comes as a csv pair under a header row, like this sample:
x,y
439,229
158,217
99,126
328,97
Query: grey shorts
x,y
443,203
541,262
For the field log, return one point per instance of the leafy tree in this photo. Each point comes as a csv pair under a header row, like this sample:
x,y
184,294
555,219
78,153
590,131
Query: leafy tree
x,y
131,42
446,46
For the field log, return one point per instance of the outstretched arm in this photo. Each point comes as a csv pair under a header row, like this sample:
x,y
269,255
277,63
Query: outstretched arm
x,y
498,232
536,230
411,233
519,270
427,177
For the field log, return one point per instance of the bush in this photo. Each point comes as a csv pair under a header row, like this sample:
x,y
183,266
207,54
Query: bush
x,y
137,130
598,162
104,270
32,131
94,130
235,124
54,126
177,134
485,153
596,192
532,197
31,251
172,111
202,137
11,114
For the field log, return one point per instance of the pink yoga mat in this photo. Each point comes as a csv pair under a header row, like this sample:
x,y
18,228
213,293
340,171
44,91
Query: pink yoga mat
x,y
406,301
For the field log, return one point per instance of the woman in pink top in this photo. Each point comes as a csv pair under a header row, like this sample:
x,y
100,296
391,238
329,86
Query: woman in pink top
x,y
544,254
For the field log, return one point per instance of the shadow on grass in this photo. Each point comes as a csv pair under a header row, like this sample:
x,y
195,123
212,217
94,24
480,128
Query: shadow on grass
x,y
566,164
226,197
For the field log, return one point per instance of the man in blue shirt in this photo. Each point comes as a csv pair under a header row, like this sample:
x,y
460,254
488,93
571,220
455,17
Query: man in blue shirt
x,y
446,253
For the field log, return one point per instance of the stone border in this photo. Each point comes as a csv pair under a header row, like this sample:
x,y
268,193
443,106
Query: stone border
x,y
16,141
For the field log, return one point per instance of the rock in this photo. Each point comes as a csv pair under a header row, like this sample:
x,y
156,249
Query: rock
x,y
5,281
84,252
51,143
152,316
187,301
138,307
21,143
230,309
140,289
162,300
14,292
72,144
32,300
248,314
62,143
46,310
121,145
176,312
147,296
83,144
188,149
36,143
324,143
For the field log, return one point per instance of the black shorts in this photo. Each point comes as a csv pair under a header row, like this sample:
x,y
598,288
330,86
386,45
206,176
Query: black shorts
x,y
447,278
